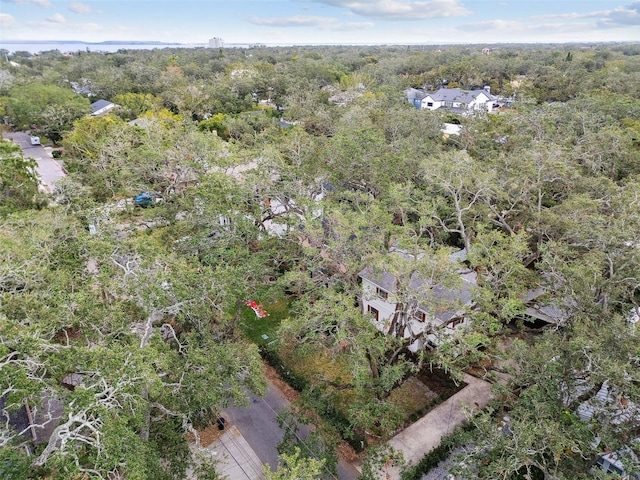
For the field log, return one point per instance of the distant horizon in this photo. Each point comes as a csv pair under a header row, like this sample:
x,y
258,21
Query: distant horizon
x,y
322,22
158,42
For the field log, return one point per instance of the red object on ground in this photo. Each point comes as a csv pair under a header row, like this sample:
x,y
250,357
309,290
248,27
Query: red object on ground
x,y
259,311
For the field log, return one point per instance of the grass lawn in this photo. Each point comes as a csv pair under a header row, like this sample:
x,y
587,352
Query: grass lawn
x,y
412,396
257,328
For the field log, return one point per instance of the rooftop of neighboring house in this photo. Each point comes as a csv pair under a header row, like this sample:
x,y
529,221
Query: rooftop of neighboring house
x,y
414,93
36,423
457,95
541,307
100,104
613,402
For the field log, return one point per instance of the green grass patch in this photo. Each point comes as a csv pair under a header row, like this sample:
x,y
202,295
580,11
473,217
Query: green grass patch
x,y
315,363
256,328
412,396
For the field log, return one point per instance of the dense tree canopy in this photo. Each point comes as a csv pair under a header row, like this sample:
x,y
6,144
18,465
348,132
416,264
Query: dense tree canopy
x,y
286,172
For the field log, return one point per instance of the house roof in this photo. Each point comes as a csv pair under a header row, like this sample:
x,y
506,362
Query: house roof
x,y
100,104
414,93
18,420
543,308
608,400
45,416
141,122
457,95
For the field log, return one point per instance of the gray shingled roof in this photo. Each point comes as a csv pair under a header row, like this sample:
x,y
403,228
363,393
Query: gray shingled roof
x,y
457,95
414,93
607,400
18,420
441,295
98,104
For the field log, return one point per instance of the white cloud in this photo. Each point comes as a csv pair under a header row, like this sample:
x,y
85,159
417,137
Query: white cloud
x,y
348,27
42,3
501,29
622,16
67,28
7,21
77,7
628,15
401,10
293,21
555,27
323,23
493,25
56,18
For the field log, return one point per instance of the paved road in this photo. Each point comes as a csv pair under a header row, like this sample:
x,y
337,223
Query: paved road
x,y
48,169
259,426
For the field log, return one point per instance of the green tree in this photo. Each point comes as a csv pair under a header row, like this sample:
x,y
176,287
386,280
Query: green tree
x,y
18,179
50,108
295,467
133,105
126,340
543,422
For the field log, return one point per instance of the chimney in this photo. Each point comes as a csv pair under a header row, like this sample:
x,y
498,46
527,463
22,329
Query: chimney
x,y
487,88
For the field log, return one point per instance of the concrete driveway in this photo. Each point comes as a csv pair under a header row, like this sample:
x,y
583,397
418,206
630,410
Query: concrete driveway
x,y
421,437
48,169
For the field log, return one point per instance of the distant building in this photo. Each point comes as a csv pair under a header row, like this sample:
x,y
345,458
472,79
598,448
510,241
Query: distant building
x,y
455,100
216,42
100,107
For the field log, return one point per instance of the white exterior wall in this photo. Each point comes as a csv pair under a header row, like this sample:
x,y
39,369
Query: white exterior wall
x,y
386,309
482,102
429,99
103,110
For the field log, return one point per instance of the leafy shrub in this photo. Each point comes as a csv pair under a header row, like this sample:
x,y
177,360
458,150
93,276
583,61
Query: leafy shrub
x,y
272,358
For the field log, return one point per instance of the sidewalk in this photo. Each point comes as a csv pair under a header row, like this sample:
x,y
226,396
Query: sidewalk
x,y
424,435
236,459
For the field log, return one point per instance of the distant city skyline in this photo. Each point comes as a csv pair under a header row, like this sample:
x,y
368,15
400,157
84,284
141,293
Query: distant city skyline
x,y
323,21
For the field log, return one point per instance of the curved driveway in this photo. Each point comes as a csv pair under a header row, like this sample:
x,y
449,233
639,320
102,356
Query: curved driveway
x,y
48,169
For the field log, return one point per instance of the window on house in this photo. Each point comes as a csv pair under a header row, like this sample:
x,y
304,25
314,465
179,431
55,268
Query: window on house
x,y
420,316
382,293
448,104
373,311
455,323
429,104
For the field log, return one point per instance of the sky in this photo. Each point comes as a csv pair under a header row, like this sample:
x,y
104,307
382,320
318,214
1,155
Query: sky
x,y
284,22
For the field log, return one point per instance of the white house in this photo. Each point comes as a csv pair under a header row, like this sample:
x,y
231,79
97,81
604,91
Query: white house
x,y
445,312
100,107
452,99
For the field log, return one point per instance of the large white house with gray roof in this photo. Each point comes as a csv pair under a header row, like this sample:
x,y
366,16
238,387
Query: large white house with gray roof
x,y
455,100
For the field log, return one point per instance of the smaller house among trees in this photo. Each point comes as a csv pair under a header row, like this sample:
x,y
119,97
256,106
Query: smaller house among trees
x,y
100,107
